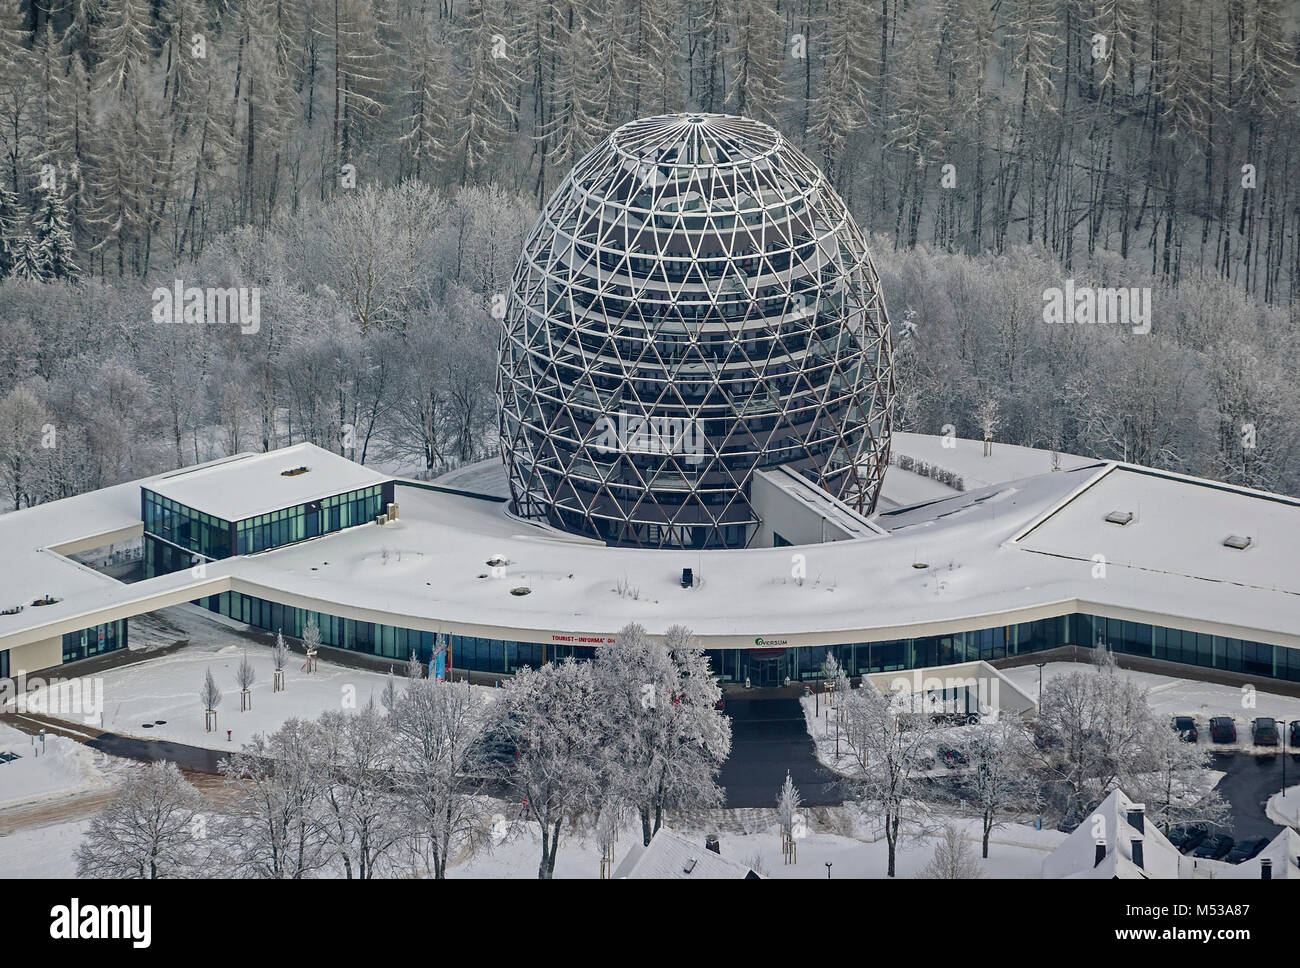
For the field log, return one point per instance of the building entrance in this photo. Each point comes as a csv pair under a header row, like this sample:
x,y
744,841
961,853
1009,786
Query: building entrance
x,y
767,669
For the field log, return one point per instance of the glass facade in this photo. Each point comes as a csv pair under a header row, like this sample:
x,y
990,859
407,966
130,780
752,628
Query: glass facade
x,y
389,641
184,528
4,664
108,637
770,666
311,519
179,537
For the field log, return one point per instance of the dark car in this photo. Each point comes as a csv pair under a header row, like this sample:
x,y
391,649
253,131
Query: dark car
x,y
1246,849
1223,729
952,757
1295,735
1214,848
1264,731
1185,727
1188,836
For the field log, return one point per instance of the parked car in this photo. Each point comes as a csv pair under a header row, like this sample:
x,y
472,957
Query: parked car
x,y
1223,729
952,757
1188,836
1246,849
1215,847
1264,731
1185,727
1295,735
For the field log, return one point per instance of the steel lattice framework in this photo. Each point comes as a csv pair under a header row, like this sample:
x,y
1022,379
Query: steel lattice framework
x,y
694,303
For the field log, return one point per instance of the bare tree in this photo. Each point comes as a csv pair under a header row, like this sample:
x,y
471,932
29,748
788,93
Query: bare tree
x,y
210,697
245,675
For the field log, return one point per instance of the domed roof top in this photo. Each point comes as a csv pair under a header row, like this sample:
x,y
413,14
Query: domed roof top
x,y
696,139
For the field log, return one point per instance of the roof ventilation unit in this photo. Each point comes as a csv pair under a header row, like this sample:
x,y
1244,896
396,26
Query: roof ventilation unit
x,y
1236,541
1120,517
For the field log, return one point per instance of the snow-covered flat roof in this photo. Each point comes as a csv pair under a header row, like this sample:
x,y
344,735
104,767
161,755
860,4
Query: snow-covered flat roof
x,y
1014,551
1178,527
250,484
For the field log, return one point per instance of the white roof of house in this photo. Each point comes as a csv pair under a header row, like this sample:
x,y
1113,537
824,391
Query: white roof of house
x,y
670,856
1013,551
250,484
1283,850
1112,822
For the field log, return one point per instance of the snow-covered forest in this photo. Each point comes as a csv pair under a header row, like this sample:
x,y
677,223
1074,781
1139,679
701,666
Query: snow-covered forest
x,y
370,168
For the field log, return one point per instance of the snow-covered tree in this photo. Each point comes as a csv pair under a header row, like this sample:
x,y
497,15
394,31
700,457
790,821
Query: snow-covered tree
x,y
442,767
788,801
1003,773
553,718
360,813
53,237
280,659
1095,732
274,827
890,744
22,421
414,667
147,831
388,698
311,641
666,738
953,859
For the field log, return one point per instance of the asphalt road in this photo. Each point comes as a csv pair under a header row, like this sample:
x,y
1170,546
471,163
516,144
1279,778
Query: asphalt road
x,y
1247,785
768,737
192,758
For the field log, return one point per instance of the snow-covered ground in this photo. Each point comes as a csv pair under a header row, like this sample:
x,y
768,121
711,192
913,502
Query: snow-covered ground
x,y
46,800
1015,851
167,689
57,767
1284,808
41,852
1185,697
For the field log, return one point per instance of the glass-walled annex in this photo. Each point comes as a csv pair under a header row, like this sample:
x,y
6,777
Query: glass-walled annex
x,y
179,537
108,637
770,666
389,641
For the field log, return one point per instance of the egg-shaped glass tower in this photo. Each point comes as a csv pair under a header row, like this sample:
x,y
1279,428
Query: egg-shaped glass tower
x,y
695,303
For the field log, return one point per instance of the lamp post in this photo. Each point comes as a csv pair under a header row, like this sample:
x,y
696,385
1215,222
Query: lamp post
x,y
828,870
1040,686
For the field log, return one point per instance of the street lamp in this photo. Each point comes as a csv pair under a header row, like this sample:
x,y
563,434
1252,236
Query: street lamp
x,y
1040,686
828,870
